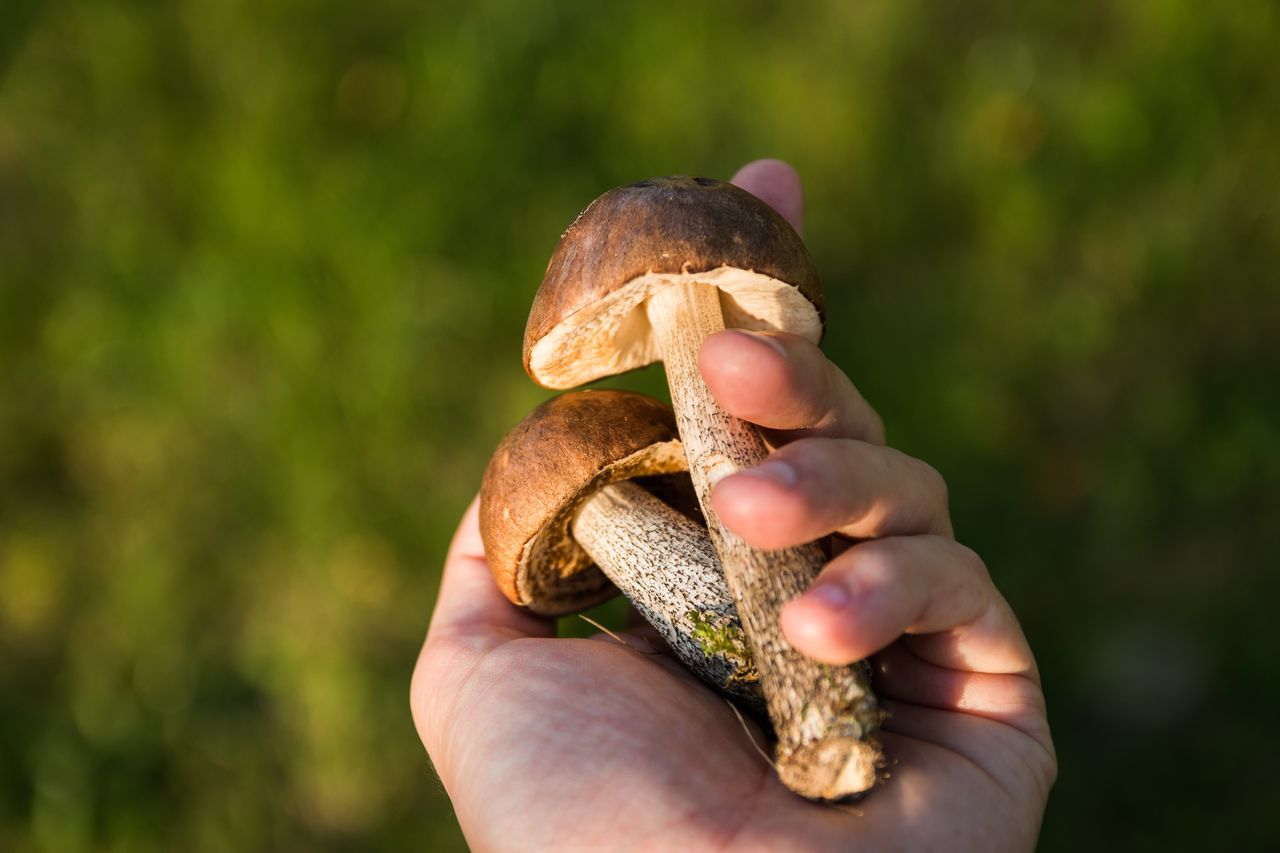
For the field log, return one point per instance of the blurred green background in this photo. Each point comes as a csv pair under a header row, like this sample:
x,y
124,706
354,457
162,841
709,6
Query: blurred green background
x,y
264,270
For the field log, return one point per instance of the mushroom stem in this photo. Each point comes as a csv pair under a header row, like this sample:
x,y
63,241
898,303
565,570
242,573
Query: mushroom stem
x,y
666,565
825,716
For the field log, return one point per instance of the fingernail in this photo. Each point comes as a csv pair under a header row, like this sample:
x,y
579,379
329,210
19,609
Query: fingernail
x,y
828,596
769,340
718,467
775,471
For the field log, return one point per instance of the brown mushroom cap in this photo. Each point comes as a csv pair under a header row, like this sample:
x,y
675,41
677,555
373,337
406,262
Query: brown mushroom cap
x,y
553,460
588,318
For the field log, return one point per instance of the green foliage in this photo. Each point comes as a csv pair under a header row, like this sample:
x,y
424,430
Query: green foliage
x,y
264,269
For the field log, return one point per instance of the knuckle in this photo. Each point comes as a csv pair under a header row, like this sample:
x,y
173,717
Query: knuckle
x,y
875,427
831,391
969,561
1049,768
813,457
873,561
934,484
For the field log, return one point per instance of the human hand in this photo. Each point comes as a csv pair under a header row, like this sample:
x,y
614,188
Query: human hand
x,y
544,742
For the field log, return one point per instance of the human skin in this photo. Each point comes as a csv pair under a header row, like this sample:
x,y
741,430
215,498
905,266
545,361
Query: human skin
x,y
549,743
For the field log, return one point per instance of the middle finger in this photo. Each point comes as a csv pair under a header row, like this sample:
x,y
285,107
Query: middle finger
x,y
817,486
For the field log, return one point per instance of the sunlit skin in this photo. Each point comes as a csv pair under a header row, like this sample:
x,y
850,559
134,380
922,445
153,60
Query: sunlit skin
x,y
546,743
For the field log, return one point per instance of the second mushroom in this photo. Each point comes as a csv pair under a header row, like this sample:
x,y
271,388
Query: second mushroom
x,y
581,497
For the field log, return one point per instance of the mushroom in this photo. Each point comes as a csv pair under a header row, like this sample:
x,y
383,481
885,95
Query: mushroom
x,y
644,274
565,520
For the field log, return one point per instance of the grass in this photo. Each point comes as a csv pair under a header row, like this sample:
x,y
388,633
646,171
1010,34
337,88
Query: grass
x,y
264,270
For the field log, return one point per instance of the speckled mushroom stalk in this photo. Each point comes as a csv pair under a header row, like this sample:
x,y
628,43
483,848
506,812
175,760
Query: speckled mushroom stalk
x,y
665,564
646,273
562,519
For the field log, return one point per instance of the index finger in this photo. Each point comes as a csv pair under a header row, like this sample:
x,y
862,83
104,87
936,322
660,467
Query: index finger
x,y
784,383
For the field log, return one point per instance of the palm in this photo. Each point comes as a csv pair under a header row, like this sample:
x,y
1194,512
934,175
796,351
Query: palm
x,y
540,719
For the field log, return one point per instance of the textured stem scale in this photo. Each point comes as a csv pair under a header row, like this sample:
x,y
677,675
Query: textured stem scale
x,y
666,565
825,717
